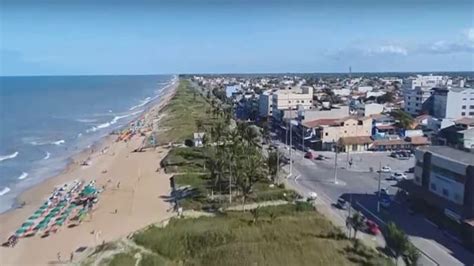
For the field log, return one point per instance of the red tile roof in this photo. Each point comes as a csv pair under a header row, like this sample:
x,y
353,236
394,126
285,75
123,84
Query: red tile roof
x,y
355,140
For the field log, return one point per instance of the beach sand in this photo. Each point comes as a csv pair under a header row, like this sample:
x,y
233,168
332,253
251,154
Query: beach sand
x,y
138,201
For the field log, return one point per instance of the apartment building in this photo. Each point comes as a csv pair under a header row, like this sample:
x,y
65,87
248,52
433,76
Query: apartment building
x,y
265,105
453,102
444,180
418,90
291,99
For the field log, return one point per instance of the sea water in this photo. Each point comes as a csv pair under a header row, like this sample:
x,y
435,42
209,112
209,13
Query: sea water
x,y
46,120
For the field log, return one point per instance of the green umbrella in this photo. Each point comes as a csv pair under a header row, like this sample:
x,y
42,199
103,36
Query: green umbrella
x,y
34,216
60,222
27,224
20,231
56,209
43,207
39,212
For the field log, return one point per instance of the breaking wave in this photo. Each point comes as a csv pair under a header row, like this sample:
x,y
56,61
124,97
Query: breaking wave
x,y
112,122
144,102
4,191
46,157
23,176
9,156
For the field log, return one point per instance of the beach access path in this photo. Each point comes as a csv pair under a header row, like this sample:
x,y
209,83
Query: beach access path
x,y
138,202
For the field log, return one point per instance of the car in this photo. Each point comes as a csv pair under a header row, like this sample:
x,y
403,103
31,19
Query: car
x,y
342,203
372,227
312,195
384,192
386,169
320,157
308,155
385,203
398,176
411,170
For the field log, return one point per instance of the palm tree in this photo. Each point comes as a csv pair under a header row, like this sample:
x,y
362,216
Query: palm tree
x,y
357,223
396,240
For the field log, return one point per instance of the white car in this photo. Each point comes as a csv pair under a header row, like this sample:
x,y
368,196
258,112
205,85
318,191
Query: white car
x,y
312,195
386,169
398,176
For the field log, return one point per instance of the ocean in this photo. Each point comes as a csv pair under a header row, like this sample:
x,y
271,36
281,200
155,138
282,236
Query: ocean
x,y
45,120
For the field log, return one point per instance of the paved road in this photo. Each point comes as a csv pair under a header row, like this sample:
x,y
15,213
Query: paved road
x,y
360,185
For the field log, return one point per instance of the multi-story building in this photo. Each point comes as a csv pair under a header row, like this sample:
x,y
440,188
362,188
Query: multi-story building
x,y
444,180
265,104
291,99
418,90
329,131
453,102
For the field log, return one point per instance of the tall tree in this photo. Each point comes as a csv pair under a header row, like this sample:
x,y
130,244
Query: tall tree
x,y
396,240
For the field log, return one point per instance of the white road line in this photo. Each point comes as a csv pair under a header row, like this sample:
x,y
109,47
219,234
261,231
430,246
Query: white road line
x,y
430,222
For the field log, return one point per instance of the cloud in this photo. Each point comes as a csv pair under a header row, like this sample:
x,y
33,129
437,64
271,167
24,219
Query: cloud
x,y
465,44
388,49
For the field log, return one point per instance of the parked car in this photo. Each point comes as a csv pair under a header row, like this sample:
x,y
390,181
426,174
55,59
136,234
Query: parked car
x,y
342,203
398,176
384,192
372,227
385,203
320,157
308,155
386,169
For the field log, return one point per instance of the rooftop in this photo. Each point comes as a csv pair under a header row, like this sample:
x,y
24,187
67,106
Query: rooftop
x,y
451,153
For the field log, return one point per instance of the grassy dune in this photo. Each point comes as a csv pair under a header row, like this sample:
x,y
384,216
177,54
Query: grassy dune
x,y
281,235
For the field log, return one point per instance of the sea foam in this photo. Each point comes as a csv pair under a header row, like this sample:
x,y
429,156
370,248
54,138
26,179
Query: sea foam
x,y
9,156
142,103
112,122
46,157
4,191
23,176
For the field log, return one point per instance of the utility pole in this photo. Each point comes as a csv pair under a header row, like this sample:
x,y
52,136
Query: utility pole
x,y
278,166
335,164
378,194
291,142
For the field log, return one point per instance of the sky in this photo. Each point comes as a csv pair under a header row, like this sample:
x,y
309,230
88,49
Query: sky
x,y
260,36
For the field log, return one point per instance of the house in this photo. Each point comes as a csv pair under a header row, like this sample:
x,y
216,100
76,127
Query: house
x,y
328,131
354,144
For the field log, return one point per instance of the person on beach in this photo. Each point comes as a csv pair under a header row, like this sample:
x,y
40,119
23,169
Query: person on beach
x,y
118,185
59,256
71,257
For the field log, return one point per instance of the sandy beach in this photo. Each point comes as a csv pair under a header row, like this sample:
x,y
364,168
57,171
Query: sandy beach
x,y
138,199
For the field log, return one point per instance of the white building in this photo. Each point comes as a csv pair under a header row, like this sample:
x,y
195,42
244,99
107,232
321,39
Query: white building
x,y
453,103
291,98
265,104
342,92
418,90
365,89
369,109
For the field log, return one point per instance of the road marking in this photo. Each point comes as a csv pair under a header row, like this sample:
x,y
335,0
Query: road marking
x,y
430,222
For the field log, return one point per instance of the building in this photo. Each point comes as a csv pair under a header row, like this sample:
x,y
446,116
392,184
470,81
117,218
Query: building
x,y
444,181
416,100
354,144
459,135
453,102
265,105
369,109
327,132
231,89
418,91
291,99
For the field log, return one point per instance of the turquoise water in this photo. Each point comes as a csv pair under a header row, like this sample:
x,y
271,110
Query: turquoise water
x,y
45,120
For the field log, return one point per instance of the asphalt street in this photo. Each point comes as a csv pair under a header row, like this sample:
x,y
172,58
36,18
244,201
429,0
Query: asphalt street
x,y
359,184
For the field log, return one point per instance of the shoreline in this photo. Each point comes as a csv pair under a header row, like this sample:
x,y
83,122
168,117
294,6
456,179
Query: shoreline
x,y
91,149
119,164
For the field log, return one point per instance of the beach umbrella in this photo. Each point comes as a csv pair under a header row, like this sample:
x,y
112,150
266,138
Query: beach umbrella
x,y
43,207
39,212
27,224
34,216
20,231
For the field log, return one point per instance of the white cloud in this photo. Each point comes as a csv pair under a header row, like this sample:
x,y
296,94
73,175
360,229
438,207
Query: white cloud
x,y
388,49
470,34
